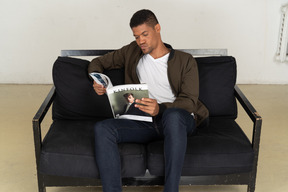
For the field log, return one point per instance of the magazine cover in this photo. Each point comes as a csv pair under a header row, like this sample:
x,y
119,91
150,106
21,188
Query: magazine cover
x,y
122,98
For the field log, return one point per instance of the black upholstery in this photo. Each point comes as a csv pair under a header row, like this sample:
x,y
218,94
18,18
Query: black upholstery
x,y
217,78
217,154
68,150
221,148
75,98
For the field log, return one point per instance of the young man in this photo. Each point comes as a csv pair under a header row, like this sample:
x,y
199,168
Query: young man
x,y
172,78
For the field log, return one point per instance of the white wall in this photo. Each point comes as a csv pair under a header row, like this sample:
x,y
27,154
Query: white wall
x,y
32,32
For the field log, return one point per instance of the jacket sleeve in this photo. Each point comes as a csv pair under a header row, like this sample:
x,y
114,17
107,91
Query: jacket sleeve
x,y
184,82
112,60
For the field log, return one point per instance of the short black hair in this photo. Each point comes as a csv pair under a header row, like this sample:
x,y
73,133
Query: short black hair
x,y
143,16
126,95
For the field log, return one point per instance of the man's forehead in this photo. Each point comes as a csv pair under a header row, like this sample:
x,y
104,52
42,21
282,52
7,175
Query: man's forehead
x,y
137,34
140,29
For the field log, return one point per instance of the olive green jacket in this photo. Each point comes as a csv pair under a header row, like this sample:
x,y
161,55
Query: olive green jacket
x,y
182,76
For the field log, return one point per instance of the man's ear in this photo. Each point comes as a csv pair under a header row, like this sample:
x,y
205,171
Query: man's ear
x,y
157,28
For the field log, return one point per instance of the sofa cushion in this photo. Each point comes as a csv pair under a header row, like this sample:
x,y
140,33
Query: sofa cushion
x,y
68,150
217,78
76,99
221,148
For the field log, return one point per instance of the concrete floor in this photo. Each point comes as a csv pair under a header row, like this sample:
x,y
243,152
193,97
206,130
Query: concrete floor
x,y
19,103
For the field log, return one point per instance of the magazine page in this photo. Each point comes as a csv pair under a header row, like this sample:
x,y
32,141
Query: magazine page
x,y
102,79
122,100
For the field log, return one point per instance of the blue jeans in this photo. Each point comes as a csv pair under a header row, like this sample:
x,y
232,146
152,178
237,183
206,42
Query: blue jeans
x,y
173,127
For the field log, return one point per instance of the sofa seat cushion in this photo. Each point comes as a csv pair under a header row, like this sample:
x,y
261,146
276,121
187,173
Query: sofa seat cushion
x,y
68,150
221,148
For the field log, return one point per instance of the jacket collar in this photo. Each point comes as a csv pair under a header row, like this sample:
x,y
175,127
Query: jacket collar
x,y
172,51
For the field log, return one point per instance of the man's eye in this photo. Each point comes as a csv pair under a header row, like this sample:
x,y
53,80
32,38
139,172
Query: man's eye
x,y
146,34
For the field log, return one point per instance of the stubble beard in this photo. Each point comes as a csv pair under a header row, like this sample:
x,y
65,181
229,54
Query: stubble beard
x,y
147,50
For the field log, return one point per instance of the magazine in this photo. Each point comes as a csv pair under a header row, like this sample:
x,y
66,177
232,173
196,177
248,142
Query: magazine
x,y
122,98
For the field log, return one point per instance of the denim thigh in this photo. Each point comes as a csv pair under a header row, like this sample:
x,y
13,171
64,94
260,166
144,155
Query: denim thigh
x,y
126,131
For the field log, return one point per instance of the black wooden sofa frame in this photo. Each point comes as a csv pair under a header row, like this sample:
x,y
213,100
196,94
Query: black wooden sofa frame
x,y
248,179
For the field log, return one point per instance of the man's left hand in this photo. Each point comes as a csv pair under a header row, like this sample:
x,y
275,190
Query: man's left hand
x,y
149,106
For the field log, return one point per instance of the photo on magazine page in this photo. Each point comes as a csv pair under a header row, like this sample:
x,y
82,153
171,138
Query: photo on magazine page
x,y
122,100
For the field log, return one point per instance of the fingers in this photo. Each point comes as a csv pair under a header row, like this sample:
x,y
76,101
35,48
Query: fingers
x,y
149,106
99,89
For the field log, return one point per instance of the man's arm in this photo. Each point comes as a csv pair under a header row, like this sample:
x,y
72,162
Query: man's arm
x,y
112,60
185,88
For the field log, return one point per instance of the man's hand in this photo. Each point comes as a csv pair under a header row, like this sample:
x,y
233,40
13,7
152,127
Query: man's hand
x,y
149,106
99,89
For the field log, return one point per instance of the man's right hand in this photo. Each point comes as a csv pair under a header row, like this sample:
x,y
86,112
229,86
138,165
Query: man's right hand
x,y
99,89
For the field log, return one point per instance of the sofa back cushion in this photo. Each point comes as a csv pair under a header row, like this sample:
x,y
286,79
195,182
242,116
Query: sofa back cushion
x,y
76,99
217,78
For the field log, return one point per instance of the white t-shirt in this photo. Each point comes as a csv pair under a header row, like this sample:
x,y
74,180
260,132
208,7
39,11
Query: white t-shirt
x,y
153,72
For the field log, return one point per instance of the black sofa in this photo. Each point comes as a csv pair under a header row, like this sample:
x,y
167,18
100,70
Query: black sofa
x,y
220,154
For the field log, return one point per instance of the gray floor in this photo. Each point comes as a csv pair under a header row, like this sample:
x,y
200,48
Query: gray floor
x,y
19,103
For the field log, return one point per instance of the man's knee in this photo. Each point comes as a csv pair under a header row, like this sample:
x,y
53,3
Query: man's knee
x,y
175,114
104,129
176,120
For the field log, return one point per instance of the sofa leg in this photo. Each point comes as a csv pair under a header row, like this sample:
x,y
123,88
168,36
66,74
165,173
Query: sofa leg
x,y
41,186
41,189
251,186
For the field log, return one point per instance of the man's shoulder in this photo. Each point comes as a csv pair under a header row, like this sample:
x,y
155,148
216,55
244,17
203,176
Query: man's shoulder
x,y
132,45
177,54
181,58
131,48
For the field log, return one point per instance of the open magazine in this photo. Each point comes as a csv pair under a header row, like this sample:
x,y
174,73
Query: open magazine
x,y
122,98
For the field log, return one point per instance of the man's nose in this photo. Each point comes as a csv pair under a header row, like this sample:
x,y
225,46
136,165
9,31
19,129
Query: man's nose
x,y
141,40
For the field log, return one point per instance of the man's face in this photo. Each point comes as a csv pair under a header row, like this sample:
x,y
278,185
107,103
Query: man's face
x,y
147,37
130,99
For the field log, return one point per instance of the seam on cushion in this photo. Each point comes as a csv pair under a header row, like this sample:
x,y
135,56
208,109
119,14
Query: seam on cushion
x,y
60,154
203,153
222,166
150,167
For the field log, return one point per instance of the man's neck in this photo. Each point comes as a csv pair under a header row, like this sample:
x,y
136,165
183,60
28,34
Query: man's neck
x,y
160,51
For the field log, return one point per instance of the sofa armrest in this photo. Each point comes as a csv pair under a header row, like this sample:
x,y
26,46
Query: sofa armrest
x,y
250,110
253,114
257,124
38,118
